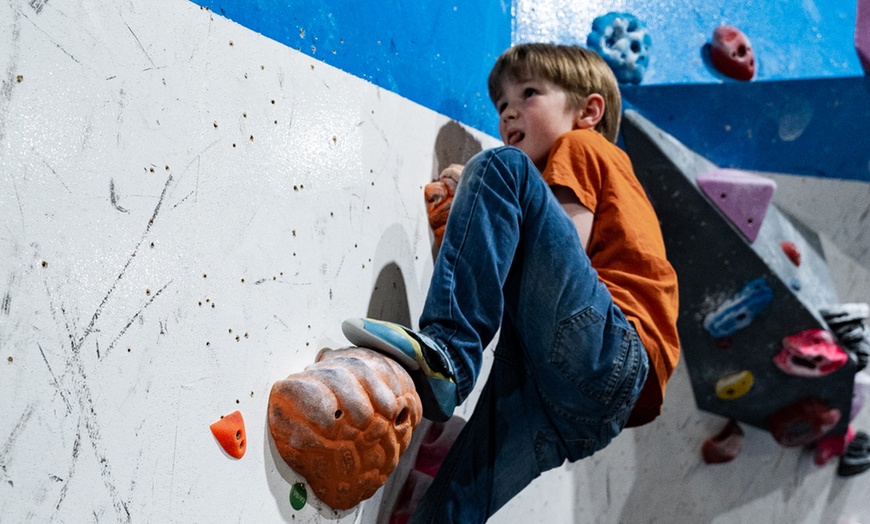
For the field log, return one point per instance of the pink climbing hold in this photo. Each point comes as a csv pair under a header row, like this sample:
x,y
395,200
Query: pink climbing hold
x,y
811,353
725,446
412,493
732,54
742,197
862,34
833,446
803,422
436,443
792,252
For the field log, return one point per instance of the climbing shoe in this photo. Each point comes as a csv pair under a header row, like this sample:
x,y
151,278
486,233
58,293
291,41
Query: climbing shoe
x,y
857,457
418,354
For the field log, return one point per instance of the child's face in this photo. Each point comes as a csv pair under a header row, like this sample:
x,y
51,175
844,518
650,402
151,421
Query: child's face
x,y
532,115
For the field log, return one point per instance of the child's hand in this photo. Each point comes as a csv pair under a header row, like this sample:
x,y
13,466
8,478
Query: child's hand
x,y
439,196
453,172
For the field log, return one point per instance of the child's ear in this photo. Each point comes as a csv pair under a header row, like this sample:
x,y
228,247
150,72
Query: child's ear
x,y
592,113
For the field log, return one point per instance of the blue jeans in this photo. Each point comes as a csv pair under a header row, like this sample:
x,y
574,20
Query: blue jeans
x,y
568,366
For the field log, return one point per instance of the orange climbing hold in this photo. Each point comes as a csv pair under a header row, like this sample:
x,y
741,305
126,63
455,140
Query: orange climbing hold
x,y
230,434
439,197
343,422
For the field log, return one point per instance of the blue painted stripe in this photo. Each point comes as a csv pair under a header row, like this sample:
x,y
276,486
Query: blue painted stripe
x,y
437,54
816,127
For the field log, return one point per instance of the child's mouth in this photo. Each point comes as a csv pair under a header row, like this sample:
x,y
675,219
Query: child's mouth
x,y
515,137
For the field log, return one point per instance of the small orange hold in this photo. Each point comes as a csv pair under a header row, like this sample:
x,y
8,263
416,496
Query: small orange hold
x,y
792,252
230,434
439,198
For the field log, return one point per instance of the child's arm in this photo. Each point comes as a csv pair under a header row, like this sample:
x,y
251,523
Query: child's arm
x,y
579,214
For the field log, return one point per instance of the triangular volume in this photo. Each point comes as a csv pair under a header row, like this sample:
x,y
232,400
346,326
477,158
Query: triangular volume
x,y
741,196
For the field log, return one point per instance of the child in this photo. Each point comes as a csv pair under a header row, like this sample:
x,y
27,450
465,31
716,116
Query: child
x,y
570,266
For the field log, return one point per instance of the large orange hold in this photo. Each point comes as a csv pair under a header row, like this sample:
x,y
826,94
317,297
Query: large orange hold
x,y
343,423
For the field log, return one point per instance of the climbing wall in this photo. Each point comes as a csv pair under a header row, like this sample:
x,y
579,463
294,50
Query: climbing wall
x,y
193,199
188,210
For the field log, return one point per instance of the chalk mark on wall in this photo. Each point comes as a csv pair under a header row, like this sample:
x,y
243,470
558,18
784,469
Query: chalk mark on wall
x,y
133,319
6,451
90,327
113,196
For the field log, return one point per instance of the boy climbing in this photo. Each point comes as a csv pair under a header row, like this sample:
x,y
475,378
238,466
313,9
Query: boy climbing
x,y
552,241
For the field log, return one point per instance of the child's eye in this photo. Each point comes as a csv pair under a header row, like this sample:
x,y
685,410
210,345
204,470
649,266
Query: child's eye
x,y
530,91
502,107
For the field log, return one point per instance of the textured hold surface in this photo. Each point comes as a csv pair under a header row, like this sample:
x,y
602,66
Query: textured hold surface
x,y
740,310
343,423
230,434
810,353
732,54
803,423
741,196
725,446
623,41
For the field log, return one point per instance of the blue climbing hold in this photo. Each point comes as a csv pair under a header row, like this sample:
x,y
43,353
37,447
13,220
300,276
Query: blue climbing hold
x,y
623,41
740,310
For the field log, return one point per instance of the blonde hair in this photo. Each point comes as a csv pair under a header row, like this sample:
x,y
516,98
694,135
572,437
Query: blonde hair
x,y
579,71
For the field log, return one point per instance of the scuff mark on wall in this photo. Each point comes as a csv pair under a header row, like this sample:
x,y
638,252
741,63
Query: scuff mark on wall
x,y
6,450
11,67
113,196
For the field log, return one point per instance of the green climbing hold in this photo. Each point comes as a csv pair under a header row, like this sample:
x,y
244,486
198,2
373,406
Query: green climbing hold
x,y
298,496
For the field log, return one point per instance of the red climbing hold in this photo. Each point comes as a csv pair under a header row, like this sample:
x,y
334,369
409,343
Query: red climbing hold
x,y
725,446
436,443
803,422
833,446
732,54
792,252
230,434
811,353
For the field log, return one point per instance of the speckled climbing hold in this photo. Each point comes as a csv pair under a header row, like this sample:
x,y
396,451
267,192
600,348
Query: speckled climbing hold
x,y
811,353
832,446
624,43
803,422
343,422
230,434
856,459
791,251
732,54
740,310
439,197
742,197
725,446
735,385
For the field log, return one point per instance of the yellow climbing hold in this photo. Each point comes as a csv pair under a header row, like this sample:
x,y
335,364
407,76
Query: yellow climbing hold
x,y
734,386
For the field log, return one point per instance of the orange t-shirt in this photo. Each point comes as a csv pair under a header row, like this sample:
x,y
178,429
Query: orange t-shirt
x,y
626,249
